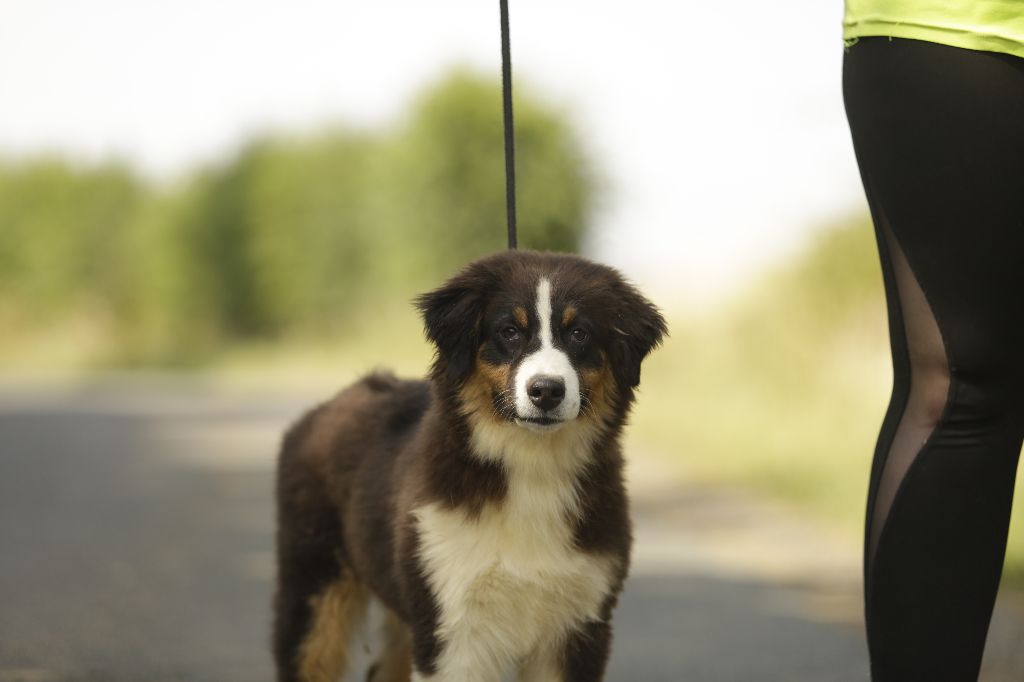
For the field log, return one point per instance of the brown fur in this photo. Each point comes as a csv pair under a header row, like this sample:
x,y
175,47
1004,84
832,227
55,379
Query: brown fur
x,y
486,381
352,470
521,317
338,610
568,315
599,392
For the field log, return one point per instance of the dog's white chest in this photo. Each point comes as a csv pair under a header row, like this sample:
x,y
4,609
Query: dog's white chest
x,y
510,580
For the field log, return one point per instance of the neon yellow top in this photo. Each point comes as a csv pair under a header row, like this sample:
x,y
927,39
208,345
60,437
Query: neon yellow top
x,y
990,25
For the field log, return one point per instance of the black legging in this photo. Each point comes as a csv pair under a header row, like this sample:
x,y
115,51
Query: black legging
x,y
939,137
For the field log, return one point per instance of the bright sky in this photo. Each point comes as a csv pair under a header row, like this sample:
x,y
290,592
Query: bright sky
x,y
719,126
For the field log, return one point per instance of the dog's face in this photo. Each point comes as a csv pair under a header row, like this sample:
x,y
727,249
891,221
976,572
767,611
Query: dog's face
x,y
540,340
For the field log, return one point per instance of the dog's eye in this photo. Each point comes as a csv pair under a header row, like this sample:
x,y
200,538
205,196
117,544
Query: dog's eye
x,y
510,334
579,335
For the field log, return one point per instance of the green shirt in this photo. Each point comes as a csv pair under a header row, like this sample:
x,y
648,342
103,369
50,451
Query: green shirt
x,y
990,25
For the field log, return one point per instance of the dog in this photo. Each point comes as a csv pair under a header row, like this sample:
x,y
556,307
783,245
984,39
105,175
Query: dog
x,y
485,508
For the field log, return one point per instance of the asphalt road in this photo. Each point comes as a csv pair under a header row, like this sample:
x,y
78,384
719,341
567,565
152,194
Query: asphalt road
x,y
136,544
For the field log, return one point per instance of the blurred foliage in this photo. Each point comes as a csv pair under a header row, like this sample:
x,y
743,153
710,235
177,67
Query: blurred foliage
x,y
448,161
296,236
66,236
782,389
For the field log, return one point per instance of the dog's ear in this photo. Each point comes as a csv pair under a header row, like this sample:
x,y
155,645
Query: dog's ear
x,y
637,328
451,318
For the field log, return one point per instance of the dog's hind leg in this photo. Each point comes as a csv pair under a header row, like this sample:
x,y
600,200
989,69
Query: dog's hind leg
x,y
318,602
337,612
314,648
395,661
312,632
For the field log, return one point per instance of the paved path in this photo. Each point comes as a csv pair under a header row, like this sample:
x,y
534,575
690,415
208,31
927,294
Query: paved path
x,y
136,544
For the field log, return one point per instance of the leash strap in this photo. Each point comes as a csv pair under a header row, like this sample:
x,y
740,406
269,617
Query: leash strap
x,y
510,144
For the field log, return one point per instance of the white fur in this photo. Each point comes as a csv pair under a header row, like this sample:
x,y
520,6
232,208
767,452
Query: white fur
x,y
547,361
510,584
543,666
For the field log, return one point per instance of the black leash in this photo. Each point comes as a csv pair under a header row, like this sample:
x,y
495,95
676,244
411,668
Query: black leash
x,y
510,143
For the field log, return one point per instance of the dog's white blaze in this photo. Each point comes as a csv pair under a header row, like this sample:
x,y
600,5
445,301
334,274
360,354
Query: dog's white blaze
x,y
547,361
510,584
544,311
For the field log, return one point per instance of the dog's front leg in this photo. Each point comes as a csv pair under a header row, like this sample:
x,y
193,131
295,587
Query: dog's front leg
x,y
457,655
462,659
543,665
581,658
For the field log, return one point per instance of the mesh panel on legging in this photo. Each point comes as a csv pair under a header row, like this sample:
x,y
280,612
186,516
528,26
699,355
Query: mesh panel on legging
x,y
924,367
940,144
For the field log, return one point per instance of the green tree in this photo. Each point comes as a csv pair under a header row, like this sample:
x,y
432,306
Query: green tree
x,y
293,236
66,238
443,185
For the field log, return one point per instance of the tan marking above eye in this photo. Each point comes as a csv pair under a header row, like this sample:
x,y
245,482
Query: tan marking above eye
x,y
568,315
521,317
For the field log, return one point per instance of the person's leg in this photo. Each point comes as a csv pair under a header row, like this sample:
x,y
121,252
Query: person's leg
x,y
939,136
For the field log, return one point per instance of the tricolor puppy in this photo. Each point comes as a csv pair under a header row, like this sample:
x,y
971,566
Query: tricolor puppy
x,y
484,508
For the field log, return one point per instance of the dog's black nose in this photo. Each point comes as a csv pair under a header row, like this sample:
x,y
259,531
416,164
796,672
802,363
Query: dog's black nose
x,y
546,392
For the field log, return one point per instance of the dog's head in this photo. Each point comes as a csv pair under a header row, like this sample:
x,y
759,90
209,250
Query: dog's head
x,y
540,340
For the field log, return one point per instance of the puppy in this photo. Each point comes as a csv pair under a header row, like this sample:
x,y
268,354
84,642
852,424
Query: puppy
x,y
485,508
